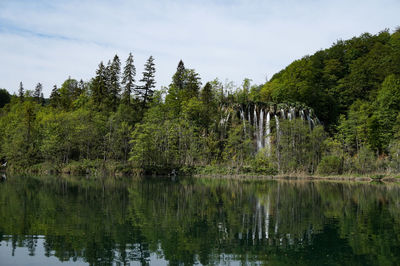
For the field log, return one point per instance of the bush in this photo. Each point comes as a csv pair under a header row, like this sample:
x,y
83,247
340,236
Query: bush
x,y
365,161
330,165
262,165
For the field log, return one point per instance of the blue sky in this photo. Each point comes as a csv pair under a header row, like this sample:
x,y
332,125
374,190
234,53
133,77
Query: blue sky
x,y
48,40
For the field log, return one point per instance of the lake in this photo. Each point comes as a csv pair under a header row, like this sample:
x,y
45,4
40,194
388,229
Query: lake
x,y
76,221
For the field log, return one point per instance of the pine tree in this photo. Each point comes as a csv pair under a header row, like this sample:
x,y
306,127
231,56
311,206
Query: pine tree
x,y
99,85
21,92
128,79
55,97
41,99
114,84
178,79
38,92
146,91
192,84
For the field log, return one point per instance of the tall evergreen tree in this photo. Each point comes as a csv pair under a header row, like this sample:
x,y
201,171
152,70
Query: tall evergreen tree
x,y
128,79
55,97
178,79
146,91
41,99
21,92
114,81
38,92
192,84
99,85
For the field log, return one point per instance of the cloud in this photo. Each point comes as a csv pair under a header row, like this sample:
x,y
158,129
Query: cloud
x,y
47,41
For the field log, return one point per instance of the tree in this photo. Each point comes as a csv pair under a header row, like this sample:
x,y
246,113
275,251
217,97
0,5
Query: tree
x,y
99,86
21,92
146,90
178,79
192,84
114,89
382,123
67,93
128,79
4,97
38,92
54,97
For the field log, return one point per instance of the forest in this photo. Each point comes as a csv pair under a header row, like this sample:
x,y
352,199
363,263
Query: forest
x,y
334,112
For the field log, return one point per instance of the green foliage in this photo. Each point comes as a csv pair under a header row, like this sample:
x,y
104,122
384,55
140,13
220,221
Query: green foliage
x,y
5,97
146,91
299,148
263,165
20,138
330,165
128,79
353,88
365,161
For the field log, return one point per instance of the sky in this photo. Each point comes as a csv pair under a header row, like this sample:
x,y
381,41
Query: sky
x,y
48,41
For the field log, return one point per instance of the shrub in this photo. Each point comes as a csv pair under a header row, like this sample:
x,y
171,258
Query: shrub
x,y
330,165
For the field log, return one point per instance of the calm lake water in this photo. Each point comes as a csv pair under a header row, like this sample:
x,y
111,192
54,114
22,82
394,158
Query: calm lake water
x,y
54,221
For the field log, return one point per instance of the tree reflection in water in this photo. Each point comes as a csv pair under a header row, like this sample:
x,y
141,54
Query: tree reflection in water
x,y
201,221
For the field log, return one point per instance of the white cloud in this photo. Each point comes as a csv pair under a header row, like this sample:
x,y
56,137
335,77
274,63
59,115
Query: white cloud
x,y
47,41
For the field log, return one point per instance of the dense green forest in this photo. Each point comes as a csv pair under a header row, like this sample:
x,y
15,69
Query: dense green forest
x,y
334,112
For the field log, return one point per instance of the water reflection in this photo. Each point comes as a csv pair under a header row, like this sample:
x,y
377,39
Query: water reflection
x,y
199,221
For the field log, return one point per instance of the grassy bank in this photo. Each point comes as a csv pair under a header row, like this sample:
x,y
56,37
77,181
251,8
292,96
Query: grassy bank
x,y
304,176
113,169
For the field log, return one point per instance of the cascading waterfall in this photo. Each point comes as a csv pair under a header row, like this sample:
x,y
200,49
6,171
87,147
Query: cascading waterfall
x,y
283,114
277,127
267,134
259,119
309,121
244,121
260,130
248,118
255,119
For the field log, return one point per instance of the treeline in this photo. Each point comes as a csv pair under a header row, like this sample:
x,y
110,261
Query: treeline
x,y
117,123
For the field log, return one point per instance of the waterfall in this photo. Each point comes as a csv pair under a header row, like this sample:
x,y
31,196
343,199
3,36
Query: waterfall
x,y
259,123
255,119
277,127
267,135
309,120
255,124
260,130
244,121
293,112
248,118
226,120
277,142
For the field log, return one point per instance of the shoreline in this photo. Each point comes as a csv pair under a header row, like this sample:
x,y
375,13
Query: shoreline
x,y
302,177
391,178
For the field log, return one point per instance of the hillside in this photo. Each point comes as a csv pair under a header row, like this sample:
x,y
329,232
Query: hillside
x,y
333,112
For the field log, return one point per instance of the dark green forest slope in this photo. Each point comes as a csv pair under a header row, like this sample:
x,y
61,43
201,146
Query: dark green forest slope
x,y
336,111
